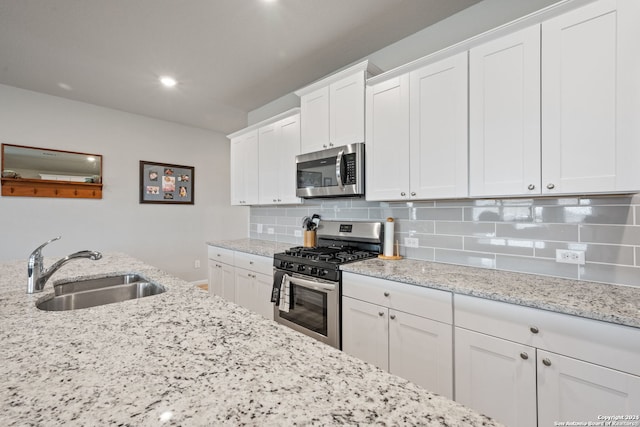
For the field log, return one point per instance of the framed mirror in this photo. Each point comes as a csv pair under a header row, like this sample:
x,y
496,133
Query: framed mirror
x,y
44,172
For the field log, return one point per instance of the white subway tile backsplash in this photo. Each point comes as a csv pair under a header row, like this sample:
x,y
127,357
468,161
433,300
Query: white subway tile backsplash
x,y
506,234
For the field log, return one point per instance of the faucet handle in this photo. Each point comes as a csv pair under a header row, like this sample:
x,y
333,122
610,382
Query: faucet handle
x,y
37,251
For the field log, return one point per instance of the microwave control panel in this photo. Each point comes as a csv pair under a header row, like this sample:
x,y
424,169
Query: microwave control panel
x,y
349,177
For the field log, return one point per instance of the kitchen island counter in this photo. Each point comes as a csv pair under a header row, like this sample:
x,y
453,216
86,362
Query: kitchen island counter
x,y
185,358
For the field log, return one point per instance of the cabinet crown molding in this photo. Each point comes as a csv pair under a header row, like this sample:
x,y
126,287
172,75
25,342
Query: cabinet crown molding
x,y
517,24
265,122
364,66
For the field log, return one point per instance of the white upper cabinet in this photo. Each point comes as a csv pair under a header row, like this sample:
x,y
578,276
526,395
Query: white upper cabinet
x,y
417,133
263,161
244,168
504,115
346,110
591,99
438,129
332,110
315,120
387,138
279,144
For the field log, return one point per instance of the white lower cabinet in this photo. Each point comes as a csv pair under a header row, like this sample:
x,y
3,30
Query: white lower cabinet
x,y
530,367
496,377
245,279
221,273
253,291
404,329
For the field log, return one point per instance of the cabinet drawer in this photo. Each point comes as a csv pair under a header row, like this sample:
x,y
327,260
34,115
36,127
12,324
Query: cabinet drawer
x,y
602,343
220,254
430,303
255,263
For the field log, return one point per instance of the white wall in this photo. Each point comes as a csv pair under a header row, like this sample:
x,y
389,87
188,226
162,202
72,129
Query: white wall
x,y
170,237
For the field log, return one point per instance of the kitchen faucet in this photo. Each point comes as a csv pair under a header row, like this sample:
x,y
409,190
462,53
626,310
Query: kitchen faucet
x,y
35,268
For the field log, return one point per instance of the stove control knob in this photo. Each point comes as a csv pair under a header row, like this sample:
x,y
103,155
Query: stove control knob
x,y
322,272
288,265
314,270
301,268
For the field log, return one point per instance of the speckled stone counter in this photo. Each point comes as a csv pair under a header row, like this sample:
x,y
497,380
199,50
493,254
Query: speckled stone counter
x,y
610,303
185,358
252,246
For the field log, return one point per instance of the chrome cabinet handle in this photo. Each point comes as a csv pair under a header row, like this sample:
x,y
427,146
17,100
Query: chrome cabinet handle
x,y
331,144
403,194
386,294
413,193
546,362
531,187
393,316
534,329
524,355
551,186
381,313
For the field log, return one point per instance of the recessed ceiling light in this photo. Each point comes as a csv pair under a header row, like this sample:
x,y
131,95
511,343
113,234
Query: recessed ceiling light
x,y
168,81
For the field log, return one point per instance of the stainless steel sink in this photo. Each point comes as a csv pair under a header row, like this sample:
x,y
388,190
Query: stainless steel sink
x,y
93,292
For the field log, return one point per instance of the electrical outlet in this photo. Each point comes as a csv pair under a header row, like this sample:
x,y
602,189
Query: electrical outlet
x,y
570,257
270,230
411,242
297,233
260,228
196,264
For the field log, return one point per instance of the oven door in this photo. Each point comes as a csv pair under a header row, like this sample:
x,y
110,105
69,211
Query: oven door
x,y
315,310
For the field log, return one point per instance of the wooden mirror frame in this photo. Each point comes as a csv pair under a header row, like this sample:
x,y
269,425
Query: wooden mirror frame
x,y
33,187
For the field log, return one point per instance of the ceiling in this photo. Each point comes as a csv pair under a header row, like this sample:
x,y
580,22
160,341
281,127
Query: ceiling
x,y
229,56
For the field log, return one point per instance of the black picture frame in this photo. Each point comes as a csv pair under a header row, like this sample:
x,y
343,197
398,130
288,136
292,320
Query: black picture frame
x,y
166,183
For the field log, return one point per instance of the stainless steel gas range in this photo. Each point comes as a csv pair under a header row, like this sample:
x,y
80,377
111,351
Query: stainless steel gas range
x,y
307,281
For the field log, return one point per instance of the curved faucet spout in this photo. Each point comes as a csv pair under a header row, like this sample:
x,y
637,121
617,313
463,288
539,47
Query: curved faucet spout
x,y
35,268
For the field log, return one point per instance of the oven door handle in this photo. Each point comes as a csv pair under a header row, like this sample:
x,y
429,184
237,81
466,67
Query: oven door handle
x,y
310,284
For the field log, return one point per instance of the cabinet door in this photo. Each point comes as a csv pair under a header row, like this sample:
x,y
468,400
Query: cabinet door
x,y
245,289
314,125
244,169
346,110
387,140
365,331
262,304
572,390
268,151
222,280
438,129
421,350
286,152
504,115
496,377
590,99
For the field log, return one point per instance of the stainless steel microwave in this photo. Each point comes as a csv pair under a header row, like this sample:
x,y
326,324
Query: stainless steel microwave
x,y
333,172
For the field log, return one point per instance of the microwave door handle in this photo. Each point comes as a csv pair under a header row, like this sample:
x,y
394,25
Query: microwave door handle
x,y
310,284
339,169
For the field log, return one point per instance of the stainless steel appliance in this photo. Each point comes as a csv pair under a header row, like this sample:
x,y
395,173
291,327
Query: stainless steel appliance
x,y
311,277
330,173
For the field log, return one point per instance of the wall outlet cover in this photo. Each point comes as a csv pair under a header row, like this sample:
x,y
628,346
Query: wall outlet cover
x,y
411,242
259,228
566,256
270,230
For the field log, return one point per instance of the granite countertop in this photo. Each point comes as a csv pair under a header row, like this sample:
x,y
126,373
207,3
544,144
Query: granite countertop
x,y
609,303
186,358
252,246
